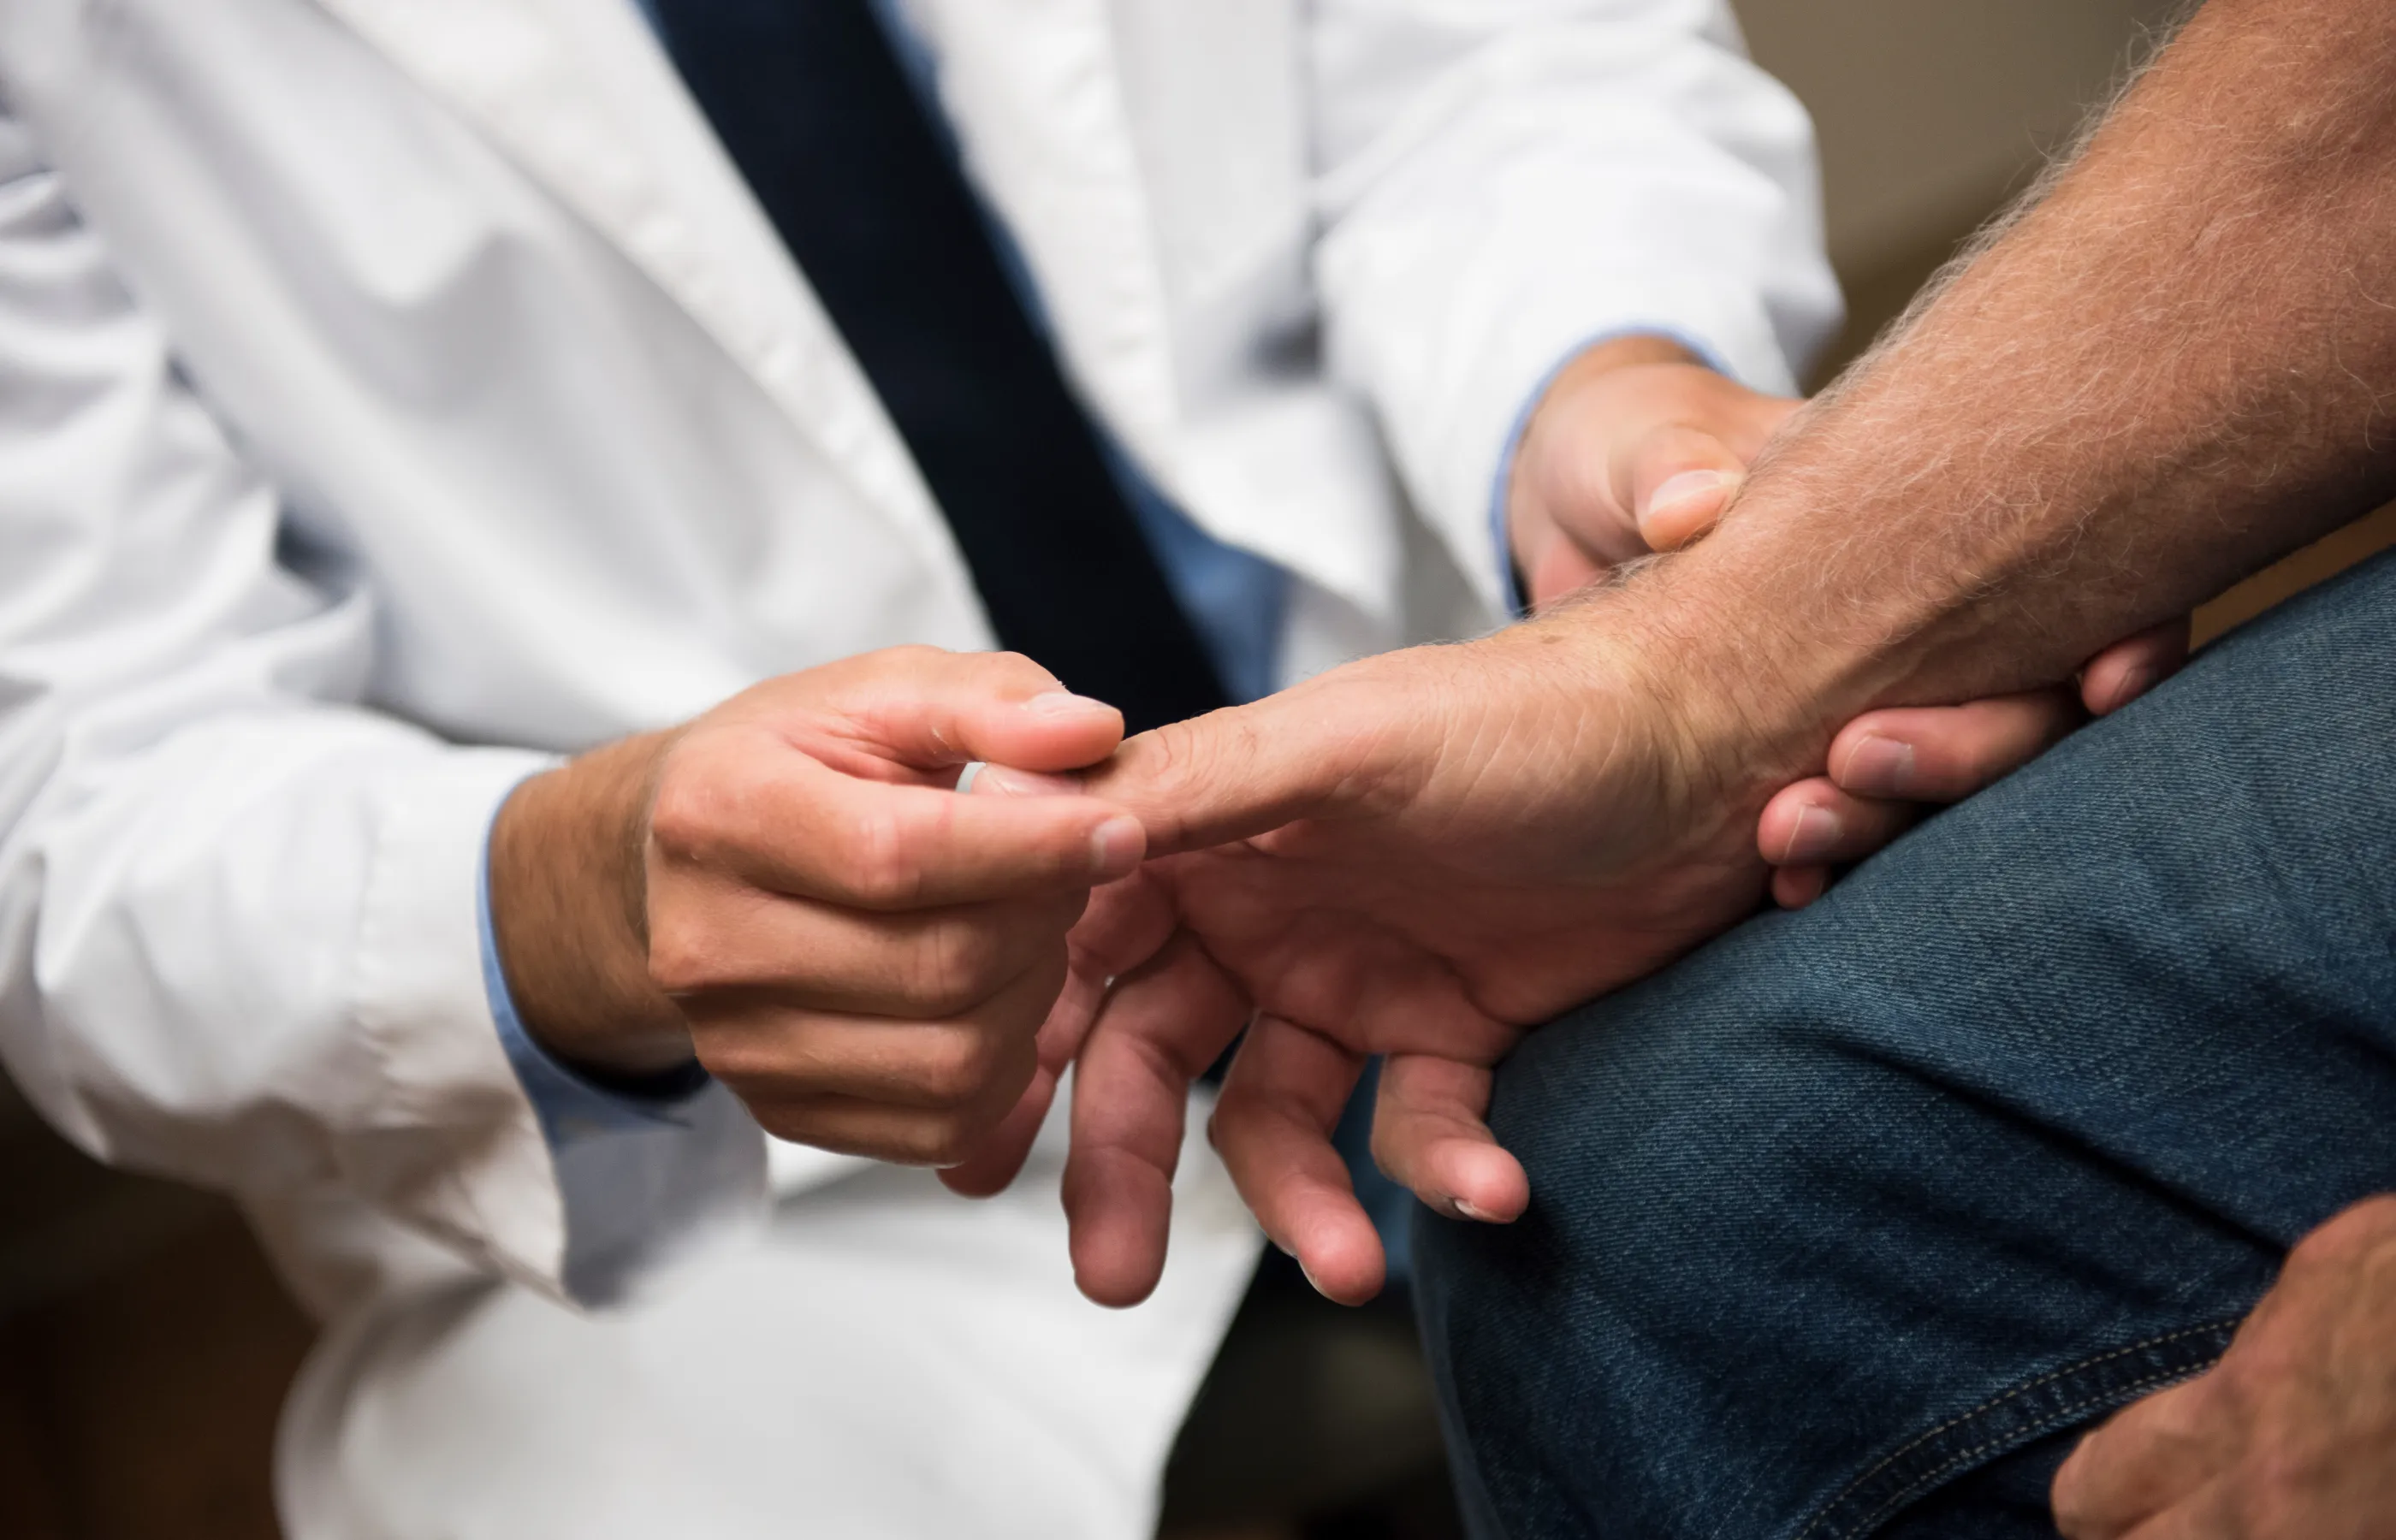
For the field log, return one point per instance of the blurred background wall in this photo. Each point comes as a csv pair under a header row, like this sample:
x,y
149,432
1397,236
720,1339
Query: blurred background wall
x,y
143,1345
1931,112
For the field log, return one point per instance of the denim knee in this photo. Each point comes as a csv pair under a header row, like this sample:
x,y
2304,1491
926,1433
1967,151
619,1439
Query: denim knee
x,y
2009,1129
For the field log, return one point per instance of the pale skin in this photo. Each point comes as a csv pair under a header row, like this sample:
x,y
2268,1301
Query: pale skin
x,y
2170,371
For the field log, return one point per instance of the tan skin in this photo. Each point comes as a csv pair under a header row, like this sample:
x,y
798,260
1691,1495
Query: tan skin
x,y
783,889
2292,1436
2172,371
1585,496
788,889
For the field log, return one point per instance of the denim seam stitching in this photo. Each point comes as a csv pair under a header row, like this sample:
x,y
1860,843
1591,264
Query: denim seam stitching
x,y
2024,1389
2060,1416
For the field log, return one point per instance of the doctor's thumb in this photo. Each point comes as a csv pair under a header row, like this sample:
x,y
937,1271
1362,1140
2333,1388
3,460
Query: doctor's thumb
x,y
1679,481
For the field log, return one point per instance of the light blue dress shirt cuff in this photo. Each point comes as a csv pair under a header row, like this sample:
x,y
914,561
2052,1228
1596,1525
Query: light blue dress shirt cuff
x,y
1509,584
642,1173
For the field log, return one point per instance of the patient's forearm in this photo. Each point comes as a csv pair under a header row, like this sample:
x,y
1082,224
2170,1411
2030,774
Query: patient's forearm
x,y
2177,366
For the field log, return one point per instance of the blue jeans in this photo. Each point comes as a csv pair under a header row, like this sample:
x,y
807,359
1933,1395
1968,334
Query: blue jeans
x,y
1852,1222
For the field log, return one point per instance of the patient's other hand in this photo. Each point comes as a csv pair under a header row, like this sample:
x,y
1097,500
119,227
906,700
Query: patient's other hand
x,y
2292,1436
1886,767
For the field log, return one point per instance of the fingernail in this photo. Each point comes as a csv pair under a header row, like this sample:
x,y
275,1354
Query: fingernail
x,y
1814,838
1879,768
1116,847
1059,703
1685,488
1287,1251
997,780
1471,1212
1309,1278
2137,682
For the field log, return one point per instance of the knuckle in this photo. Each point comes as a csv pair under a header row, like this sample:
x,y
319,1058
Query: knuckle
x,y
1014,668
683,811
959,966
878,860
681,955
958,1067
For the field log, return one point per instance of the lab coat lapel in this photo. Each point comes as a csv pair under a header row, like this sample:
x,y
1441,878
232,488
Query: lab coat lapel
x,y
577,93
1102,131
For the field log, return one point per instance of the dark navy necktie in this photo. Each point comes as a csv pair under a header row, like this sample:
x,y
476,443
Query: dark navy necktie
x,y
813,106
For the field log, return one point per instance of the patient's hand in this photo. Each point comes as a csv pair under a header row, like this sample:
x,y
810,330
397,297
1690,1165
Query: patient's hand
x,y
1418,854
789,888
2292,1436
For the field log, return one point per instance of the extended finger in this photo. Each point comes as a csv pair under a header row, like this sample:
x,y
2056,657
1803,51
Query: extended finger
x,y
1157,1033
1273,1125
1945,753
2150,1456
1814,823
786,822
1358,736
1429,1137
2132,665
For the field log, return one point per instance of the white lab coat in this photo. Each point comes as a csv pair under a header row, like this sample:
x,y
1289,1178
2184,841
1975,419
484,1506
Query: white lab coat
x,y
396,393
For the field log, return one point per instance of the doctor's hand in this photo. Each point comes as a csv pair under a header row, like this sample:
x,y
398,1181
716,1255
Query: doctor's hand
x,y
1635,447
1418,854
789,889
2292,1436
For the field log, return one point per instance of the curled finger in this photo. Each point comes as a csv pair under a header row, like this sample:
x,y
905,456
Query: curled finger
x,y
1815,824
1945,753
1429,1135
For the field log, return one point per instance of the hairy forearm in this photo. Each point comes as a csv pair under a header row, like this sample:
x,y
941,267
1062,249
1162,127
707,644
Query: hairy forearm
x,y
2173,368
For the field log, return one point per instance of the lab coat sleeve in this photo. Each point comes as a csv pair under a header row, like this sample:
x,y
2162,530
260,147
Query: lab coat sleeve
x,y
238,907
1504,182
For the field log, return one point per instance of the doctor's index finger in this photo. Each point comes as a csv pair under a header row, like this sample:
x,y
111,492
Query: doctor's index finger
x,y
777,818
